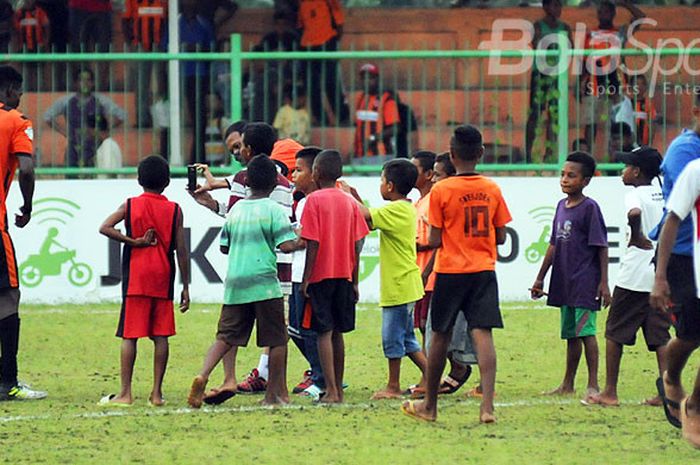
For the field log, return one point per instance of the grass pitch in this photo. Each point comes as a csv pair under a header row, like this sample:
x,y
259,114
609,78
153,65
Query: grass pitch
x,y
71,352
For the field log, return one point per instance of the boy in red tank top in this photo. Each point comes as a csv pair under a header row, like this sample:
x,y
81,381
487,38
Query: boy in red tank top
x,y
154,232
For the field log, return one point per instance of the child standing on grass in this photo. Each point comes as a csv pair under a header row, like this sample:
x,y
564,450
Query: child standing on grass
x,y
630,309
154,230
401,285
578,256
252,295
306,339
424,161
333,228
467,220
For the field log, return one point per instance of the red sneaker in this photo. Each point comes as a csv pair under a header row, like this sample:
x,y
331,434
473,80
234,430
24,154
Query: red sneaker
x,y
306,382
253,384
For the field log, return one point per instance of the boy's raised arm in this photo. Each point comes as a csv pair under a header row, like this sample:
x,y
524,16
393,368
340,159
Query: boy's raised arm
x,y
108,229
603,289
183,262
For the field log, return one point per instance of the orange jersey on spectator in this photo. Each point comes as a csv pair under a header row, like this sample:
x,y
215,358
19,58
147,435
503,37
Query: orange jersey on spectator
x,y
468,208
423,230
316,19
148,21
16,136
372,115
31,26
644,115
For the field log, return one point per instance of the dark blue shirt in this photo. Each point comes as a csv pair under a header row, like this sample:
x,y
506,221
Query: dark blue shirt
x,y
195,34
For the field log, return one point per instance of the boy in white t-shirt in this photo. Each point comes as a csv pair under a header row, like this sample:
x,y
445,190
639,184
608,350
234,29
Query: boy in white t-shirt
x,y
684,200
305,339
630,309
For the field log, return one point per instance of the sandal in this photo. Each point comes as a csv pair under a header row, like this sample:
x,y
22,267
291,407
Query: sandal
x,y
450,385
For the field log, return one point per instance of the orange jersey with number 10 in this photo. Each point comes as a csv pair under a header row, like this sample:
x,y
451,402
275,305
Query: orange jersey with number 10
x,y
15,139
467,208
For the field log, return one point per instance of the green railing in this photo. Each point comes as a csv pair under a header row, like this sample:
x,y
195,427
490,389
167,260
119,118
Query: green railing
x,y
447,68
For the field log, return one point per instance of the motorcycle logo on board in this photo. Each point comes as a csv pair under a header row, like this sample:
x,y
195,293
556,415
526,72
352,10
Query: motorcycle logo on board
x,y
537,250
53,259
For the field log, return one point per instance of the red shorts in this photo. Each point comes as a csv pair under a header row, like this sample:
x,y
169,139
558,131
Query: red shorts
x,y
420,311
146,317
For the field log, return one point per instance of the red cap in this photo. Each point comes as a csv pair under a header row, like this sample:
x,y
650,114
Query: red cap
x,y
369,68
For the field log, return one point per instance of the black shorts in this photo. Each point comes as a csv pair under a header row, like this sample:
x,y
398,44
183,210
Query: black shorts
x,y
629,311
686,306
474,294
331,306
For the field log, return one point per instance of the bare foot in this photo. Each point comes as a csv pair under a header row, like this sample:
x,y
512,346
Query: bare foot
x,y
156,400
197,392
487,418
690,419
275,402
232,386
653,402
328,399
560,391
416,409
116,399
602,399
387,393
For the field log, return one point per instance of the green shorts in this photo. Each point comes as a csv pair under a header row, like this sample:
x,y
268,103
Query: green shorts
x,y
577,322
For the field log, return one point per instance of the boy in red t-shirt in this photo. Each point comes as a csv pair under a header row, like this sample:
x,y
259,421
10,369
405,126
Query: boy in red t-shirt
x,y
333,228
467,218
153,232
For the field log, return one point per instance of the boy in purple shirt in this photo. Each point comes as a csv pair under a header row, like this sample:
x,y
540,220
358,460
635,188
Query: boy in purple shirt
x,y
578,256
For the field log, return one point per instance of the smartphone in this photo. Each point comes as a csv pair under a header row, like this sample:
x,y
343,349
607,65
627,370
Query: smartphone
x,y
191,178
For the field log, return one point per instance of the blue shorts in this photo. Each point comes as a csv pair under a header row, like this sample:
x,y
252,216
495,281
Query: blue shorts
x,y
398,336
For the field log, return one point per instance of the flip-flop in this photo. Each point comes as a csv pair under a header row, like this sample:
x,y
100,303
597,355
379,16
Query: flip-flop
x,y
106,401
691,425
450,385
219,397
409,408
668,404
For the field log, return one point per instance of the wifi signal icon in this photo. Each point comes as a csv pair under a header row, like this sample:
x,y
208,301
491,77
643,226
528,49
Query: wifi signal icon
x,y
542,215
54,210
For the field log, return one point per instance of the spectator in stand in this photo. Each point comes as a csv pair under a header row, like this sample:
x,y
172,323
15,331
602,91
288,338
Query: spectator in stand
x,y
196,35
90,28
376,119
33,31
90,23
645,116
292,119
57,11
210,11
6,24
321,22
266,75
621,139
143,25
600,85
70,115
544,90
109,155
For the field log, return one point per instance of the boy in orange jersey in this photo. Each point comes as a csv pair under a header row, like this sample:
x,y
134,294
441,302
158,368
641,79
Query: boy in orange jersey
x,y
467,220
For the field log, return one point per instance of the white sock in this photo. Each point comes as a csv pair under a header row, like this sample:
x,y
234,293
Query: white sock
x,y
262,366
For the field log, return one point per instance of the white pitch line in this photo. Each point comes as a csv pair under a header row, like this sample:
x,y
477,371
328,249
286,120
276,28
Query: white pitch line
x,y
154,412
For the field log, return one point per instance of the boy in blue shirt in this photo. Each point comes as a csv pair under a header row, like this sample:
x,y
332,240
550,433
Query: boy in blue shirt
x,y
578,256
255,226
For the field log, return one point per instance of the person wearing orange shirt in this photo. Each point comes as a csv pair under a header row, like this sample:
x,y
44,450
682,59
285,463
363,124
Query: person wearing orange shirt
x,y
645,115
321,22
33,31
16,149
376,119
467,218
143,24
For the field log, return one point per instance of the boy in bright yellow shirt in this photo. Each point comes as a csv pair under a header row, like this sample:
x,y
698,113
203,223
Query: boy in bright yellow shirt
x,y
401,285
